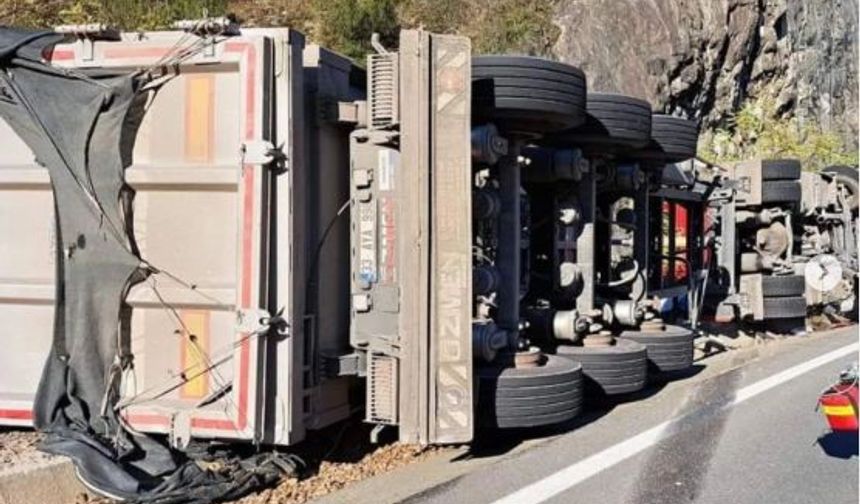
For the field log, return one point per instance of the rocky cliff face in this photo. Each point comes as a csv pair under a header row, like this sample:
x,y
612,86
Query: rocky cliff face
x,y
704,58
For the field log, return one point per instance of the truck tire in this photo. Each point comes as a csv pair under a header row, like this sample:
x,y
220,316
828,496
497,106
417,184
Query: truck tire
x,y
780,169
781,191
669,349
784,307
612,120
527,95
511,397
783,286
673,139
618,369
847,177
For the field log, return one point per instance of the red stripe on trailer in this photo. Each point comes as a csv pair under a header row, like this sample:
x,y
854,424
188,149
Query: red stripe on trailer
x,y
215,424
146,419
164,421
16,414
250,54
59,55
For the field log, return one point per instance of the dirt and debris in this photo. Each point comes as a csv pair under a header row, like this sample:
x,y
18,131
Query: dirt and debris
x,y
18,448
338,457
19,451
333,476
85,498
335,458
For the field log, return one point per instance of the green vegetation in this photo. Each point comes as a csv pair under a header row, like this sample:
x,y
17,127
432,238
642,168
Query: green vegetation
x,y
148,15
757,131
494,26
507,24
523,26
347,25
126,14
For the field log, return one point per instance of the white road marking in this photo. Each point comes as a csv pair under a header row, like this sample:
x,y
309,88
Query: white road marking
x,y
574,474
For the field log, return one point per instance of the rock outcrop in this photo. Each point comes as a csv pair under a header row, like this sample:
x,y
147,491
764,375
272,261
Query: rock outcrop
x,y
704,58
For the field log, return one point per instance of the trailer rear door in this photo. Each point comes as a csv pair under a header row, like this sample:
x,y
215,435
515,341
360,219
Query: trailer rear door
x,y
201,214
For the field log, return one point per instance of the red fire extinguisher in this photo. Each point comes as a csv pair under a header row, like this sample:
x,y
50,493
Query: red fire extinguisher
x,y
839,402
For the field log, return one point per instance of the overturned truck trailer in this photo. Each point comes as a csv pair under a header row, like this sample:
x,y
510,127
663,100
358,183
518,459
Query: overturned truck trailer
x,y
475,240
241,176
457,241
229,215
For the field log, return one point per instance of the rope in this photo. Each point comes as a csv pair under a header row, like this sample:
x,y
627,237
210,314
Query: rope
x,y
192,338
188,285
220,356
166,386
185,377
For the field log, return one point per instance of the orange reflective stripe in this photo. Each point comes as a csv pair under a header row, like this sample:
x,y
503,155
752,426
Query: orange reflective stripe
x,y
194,353
199,118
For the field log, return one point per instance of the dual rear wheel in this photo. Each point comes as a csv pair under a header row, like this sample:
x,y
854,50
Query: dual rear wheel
x,y
549,392
533,97
619,368
670,348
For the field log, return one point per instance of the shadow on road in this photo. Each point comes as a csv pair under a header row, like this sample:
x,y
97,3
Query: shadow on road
x,y
841,445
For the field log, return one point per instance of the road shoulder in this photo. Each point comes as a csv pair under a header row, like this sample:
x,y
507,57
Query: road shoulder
x,y
585,435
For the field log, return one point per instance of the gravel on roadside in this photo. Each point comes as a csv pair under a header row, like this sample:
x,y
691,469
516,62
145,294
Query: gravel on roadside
x,y
18,448
353,461
333,476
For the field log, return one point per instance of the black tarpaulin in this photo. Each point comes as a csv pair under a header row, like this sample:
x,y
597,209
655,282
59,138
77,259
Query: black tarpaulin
x,y
81,127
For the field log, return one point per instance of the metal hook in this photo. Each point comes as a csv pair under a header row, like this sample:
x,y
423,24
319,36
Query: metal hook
x,y
377,45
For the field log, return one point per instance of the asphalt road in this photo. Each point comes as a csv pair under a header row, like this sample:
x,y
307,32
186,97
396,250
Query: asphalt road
x,y
728,446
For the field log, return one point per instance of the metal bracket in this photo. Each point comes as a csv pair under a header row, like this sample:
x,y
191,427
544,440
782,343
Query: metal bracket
x,y
353,364
724,194
354,112
94,31
207,34
227,26
252,320
375,432
87,35
180,429
263,152
747,175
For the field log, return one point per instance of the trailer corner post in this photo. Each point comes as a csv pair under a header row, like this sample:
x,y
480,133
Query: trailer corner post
x,y
418,238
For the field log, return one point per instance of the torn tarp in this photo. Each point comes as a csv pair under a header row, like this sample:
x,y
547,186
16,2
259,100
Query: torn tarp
x,y
81,127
